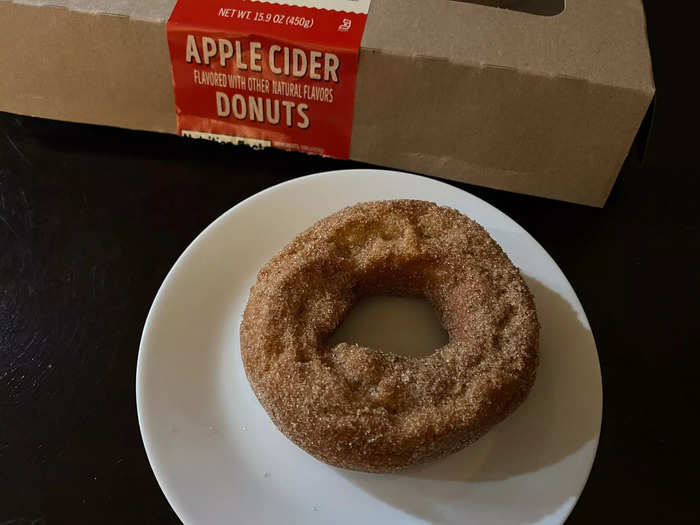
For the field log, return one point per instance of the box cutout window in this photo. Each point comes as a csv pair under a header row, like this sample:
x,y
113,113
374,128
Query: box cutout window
x,y
533,7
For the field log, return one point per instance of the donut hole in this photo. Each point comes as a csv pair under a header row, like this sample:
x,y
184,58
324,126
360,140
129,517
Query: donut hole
x,y
404,326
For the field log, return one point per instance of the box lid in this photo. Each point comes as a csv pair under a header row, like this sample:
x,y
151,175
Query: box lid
x,y
597,40
148,11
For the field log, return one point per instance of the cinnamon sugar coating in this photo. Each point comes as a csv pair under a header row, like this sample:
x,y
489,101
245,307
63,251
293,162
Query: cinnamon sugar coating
x,y
363,409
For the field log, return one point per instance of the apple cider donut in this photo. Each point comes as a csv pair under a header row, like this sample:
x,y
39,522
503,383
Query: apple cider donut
x,y
363,409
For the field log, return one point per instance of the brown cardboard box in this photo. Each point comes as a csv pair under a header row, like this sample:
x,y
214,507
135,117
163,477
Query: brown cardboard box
x,y
544,105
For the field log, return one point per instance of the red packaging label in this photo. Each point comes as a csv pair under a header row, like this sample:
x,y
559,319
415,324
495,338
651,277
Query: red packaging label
x,y
267,73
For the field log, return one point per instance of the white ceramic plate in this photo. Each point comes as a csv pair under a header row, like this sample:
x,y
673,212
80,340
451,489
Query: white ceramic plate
x,y
219,459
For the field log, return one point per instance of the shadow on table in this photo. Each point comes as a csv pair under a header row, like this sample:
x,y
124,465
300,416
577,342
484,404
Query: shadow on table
x,y
561,415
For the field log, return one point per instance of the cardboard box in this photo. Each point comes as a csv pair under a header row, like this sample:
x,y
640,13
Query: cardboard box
x,y
543,105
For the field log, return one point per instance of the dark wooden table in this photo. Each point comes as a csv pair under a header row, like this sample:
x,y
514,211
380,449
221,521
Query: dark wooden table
x,y
92,218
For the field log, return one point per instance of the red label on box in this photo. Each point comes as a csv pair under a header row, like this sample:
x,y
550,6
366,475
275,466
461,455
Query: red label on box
x,y
266,73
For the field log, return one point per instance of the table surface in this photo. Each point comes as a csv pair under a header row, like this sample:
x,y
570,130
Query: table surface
x,y
92,218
